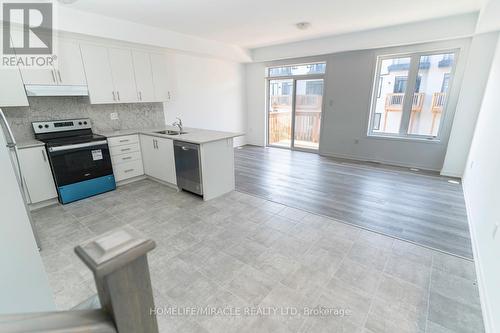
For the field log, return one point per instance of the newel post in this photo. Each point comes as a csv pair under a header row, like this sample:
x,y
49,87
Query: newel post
x,y
120,266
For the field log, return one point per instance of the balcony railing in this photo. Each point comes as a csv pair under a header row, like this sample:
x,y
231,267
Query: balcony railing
x,y
437,106
438,101
307,118
302,102
394,103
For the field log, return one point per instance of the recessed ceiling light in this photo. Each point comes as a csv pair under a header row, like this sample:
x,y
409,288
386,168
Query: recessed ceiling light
x,y
303,25
67,2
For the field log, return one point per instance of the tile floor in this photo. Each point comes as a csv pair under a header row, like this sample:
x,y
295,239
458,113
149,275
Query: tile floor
x,y
244,252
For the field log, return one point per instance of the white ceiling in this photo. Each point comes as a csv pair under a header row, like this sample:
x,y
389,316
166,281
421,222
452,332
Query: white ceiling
x,y
255,23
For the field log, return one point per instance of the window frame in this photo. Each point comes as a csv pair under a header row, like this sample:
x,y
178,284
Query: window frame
x,y
413,73
269,68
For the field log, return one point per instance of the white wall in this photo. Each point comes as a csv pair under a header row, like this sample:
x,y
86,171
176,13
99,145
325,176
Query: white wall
x,y
475,77
404,34
207,93
482,194
256,103
24,286
488,18
348,88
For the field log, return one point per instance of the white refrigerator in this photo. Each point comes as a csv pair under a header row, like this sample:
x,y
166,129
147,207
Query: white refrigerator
x,y
24,286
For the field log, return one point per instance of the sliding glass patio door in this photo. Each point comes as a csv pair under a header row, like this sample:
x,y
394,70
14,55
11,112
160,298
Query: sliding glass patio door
x,y
281,96
294,112
307,113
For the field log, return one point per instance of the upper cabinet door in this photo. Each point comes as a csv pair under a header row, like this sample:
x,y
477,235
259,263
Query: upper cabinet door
x,y
122,69
12,91
69,65
160,77
143,76
39,76
98,72
32,75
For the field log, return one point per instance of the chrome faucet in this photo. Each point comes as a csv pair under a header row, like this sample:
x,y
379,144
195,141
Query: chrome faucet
x,y
178,123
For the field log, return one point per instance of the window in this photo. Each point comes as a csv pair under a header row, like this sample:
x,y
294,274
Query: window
x,y
401,82
291,70
411,99
314,87
446,82
388,108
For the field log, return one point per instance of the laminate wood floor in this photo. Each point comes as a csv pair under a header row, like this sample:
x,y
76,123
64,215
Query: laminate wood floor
x,y
421,207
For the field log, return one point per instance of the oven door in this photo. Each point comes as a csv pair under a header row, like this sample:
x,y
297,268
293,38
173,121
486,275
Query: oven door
x,y
79,162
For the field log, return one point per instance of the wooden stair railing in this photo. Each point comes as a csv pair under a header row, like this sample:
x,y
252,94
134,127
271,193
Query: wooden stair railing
x,y
119,263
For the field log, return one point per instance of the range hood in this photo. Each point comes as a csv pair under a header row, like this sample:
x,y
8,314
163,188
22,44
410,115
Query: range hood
x,y
53,90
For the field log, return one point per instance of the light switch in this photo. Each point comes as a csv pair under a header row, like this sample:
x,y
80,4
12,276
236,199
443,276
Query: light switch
x,y
113,116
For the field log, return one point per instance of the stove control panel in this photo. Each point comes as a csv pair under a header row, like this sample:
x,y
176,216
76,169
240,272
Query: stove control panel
x,y
61,125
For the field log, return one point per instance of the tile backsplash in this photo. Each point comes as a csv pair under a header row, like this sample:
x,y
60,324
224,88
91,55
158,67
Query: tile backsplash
x,y
136,115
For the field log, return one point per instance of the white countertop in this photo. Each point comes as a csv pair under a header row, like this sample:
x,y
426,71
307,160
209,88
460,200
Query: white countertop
x,y
29,143
193,135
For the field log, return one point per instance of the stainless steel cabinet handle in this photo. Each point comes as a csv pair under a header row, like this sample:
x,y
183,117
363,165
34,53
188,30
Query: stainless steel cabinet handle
x,y
126,149
140,96
59,74
44,157
125,140
53,74
184,148
126,158
114,96
128,170
118,94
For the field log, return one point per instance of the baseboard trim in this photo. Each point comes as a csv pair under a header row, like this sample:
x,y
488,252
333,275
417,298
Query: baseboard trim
x,y
43,204
450,174
382,161
486,310
130,180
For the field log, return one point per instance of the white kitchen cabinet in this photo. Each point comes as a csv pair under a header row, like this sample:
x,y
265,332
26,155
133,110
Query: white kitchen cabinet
x,y
122,70
66,70
161,79
37,174
39,76
126,157
69,65
158,158
98,73
32,75
12,91
143,76
110,74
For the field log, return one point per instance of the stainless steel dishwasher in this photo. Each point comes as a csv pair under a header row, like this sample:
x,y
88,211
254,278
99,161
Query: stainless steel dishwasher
x,y
188,167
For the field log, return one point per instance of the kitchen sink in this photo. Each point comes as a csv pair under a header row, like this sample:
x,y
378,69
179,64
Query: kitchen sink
x,y
171,132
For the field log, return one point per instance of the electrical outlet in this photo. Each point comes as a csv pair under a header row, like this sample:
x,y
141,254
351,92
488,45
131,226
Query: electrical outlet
x,y
113,116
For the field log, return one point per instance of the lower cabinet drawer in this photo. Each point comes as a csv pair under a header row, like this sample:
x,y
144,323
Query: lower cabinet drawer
x,y
123,158
125,149
123,140
127,170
